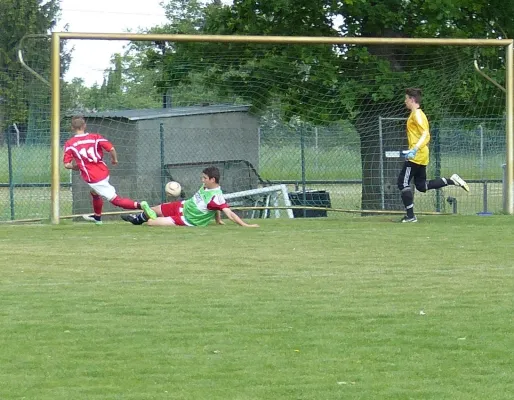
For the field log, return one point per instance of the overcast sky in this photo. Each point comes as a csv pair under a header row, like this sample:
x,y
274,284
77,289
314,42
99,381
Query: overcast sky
x,y
91,58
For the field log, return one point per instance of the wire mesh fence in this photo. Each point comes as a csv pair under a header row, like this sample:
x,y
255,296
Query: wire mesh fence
x,y
328,124
315,163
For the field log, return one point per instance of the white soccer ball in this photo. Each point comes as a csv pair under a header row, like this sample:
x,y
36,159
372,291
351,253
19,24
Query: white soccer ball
x,y
173,189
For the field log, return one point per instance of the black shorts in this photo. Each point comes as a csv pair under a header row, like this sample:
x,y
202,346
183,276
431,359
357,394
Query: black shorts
x,y
411,170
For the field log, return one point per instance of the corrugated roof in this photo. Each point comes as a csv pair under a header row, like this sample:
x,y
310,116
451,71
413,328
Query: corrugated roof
x,y
153,113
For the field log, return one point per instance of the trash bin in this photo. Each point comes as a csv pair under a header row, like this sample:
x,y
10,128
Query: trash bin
x,y
313,198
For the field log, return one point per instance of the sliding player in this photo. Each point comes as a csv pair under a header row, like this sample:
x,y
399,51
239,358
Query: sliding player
x,y
206,205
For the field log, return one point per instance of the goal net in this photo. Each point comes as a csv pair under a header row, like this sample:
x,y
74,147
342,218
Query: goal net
x,y
325,120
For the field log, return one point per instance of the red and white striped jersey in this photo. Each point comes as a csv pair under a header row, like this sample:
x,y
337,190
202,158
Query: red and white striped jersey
x,y
87,150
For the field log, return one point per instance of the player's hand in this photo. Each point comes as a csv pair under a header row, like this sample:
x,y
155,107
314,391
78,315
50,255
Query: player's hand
x,y
114,162
411,154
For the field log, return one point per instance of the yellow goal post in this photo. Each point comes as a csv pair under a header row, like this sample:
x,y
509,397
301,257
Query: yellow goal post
x,y
57,37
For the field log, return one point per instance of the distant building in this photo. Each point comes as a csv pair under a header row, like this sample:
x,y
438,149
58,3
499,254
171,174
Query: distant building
x,y
148,140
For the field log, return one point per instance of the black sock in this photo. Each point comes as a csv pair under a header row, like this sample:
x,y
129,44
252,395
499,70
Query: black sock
x,y
141,217
408,201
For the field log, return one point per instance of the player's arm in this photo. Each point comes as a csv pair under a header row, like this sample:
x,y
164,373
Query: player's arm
x,y
114,156
68,161
219,204
109,148
424,129
72,166
235,218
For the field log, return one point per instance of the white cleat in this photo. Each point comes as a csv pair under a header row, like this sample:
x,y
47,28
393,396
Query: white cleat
x,y
459,182
90,218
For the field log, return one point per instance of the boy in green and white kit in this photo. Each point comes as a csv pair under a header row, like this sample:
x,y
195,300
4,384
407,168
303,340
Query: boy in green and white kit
x,y
199,210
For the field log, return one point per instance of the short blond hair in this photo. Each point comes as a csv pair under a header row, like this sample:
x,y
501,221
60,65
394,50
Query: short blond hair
x,y
77,123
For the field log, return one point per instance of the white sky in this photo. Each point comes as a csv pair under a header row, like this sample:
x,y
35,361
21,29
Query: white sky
x,y
92,57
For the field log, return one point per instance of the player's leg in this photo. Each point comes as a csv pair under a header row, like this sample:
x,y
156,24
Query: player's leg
x,y
126,203
175,211
121,202
158,210
98,203
147,210
419,175
442,182
404,179
162,221
168,214
458,181
107,191
439,183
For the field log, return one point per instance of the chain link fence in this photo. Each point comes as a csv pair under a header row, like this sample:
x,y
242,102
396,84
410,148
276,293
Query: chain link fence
x,y
320,165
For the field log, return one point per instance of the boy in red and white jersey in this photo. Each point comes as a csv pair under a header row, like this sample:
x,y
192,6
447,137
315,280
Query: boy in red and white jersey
x,y
84,152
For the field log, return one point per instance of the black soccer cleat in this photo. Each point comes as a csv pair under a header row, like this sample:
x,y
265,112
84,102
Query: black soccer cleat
x,y
133,219
409,219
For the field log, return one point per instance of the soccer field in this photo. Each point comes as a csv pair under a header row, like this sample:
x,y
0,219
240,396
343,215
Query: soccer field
x,y
337,308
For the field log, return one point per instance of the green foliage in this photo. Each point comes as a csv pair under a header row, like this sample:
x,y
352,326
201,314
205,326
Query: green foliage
x,y
126,86
419,18
323,68
17,19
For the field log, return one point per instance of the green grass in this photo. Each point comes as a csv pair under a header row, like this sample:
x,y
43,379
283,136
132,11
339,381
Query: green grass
x,y
30,164
302,309
35,202
285,163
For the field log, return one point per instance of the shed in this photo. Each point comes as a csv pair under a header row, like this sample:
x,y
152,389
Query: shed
x,y
147,140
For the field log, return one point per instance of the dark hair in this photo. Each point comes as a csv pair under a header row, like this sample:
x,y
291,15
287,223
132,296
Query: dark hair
x,y
414,93
212,172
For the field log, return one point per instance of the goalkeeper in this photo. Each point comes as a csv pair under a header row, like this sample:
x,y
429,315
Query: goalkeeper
x,y
207,204
417,157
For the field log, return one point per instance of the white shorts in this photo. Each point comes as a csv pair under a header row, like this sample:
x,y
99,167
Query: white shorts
x,y
104,189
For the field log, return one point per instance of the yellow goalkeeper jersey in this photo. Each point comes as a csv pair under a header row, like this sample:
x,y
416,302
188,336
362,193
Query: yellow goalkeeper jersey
x,y
418,135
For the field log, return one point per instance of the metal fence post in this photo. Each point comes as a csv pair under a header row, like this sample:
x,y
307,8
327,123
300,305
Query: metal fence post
x,y
11,177
437,154
163,168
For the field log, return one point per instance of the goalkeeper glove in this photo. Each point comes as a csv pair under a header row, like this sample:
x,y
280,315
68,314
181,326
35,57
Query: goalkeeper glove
x,y
411,154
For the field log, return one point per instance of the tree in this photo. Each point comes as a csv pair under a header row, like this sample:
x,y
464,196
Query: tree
x,y
367,18
328,68
17,19
126,85
417,18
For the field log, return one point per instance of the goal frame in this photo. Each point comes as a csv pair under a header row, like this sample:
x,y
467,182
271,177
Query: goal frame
x,y
57,37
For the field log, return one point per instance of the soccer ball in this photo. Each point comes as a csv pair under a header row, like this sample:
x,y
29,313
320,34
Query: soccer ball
x,y
173,189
